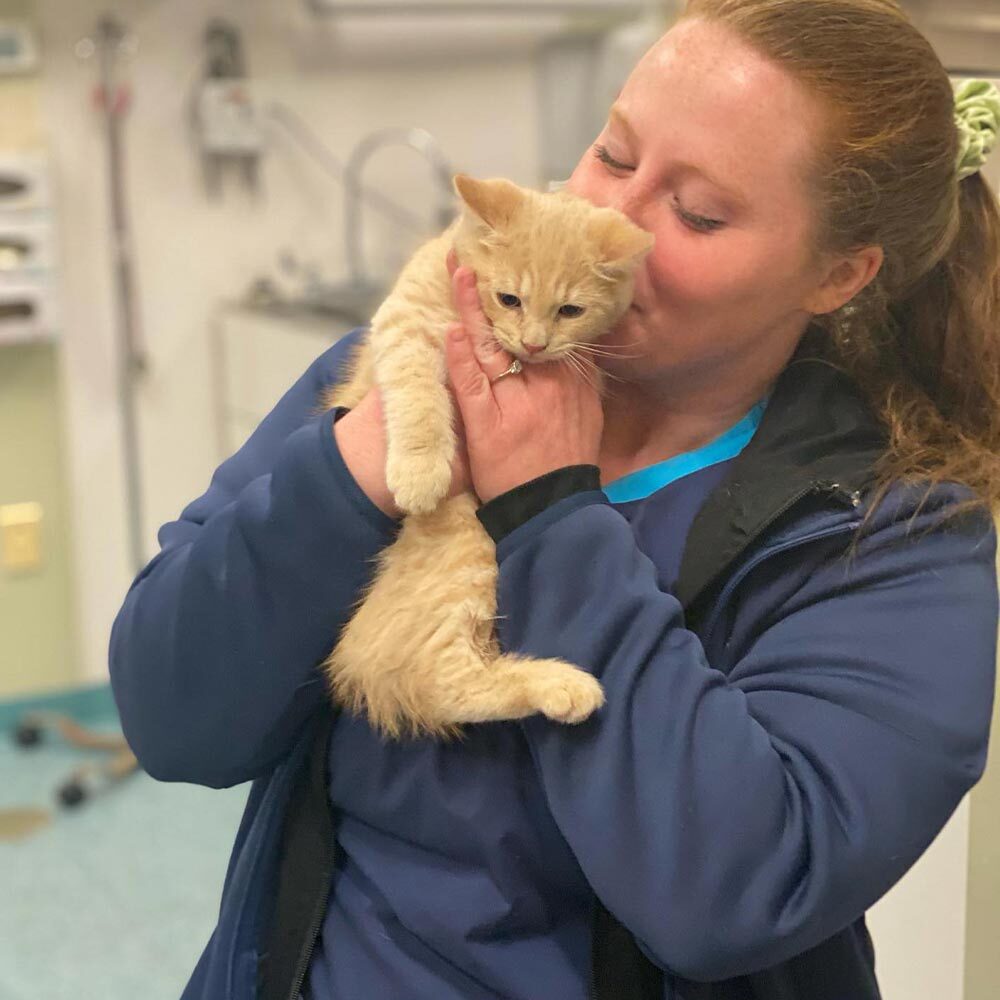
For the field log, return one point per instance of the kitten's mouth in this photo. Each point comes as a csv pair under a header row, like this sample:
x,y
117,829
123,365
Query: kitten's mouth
x,y
532,357
520,352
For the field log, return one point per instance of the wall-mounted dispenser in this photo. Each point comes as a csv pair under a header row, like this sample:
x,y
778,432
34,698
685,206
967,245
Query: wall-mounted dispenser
x,y
24,184
27,310
27,255
225,113
25,245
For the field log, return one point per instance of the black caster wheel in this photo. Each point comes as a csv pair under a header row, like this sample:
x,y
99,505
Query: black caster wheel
x,y
28,734
72,794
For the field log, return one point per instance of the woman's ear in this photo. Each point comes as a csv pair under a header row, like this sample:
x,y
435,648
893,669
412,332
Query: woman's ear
x,y
844,278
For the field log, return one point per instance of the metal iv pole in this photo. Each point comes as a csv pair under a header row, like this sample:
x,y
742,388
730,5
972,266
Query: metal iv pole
x,y
112,98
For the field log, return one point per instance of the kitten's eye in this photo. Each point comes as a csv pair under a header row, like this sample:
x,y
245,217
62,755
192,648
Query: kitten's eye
x,y
508,301
571,311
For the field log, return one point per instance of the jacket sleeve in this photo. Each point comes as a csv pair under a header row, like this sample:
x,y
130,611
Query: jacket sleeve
x,y
214,653
731,820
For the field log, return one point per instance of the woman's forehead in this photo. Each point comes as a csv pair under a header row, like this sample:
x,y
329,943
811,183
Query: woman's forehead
x,y
702,94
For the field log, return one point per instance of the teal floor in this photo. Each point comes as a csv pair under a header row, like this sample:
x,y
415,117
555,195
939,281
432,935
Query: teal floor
x,y
115,899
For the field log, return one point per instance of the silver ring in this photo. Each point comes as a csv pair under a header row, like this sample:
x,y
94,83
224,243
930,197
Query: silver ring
x,y
515,369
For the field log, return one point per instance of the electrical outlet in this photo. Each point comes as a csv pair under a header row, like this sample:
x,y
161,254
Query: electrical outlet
x,y
21,537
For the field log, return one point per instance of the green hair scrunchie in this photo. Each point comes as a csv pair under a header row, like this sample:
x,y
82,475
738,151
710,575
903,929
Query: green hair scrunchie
x,y
977,116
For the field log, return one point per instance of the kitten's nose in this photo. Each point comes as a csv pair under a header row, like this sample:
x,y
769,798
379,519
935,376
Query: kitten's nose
x,y
534,348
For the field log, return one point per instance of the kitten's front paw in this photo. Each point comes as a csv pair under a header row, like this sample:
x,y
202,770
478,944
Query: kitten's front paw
x,y
418,485
567,694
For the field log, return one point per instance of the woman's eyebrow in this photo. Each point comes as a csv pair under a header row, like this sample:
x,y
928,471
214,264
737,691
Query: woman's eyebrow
x,y
617,117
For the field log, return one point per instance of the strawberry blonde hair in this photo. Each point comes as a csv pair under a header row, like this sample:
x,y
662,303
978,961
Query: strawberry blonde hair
x,y
923,339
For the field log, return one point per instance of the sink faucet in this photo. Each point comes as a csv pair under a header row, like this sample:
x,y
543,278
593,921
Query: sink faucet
x,y
415,138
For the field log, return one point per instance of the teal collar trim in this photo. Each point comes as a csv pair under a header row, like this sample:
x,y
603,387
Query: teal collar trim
x,y
644,482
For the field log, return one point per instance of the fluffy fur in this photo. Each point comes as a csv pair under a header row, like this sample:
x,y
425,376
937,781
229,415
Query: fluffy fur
x,y
419,655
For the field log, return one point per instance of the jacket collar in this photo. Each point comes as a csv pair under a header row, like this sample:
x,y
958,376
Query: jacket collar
x,y
818,436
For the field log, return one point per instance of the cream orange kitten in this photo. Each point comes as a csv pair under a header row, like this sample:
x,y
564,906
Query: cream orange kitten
x,y
420,656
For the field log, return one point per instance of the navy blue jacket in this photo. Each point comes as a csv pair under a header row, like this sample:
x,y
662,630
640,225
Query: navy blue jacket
x,y
785,732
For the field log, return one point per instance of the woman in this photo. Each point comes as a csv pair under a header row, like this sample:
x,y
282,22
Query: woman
x,y
770,541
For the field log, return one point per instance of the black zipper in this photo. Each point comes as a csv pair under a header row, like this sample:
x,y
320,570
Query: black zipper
x,y
593,948
316,921
306,863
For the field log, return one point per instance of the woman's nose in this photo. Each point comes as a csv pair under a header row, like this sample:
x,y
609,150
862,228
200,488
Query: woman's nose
x,y
628,200
622,194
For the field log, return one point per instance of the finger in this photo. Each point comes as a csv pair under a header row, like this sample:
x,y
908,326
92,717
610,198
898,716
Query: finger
x,y
466,298
493,358
469,383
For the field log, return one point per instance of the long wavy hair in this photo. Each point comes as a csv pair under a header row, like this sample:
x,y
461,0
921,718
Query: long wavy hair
x,y
923,339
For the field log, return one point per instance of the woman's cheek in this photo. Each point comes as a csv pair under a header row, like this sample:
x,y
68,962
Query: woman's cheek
x,y
693,273
674,276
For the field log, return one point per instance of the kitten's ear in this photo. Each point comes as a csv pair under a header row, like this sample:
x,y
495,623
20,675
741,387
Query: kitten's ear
x,y
623,244
493,202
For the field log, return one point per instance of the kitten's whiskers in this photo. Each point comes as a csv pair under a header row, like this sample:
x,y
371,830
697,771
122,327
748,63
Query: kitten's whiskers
x,y
606,352
584,365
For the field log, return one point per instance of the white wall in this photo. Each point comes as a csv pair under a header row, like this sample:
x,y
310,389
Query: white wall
x,y
191,252
919,927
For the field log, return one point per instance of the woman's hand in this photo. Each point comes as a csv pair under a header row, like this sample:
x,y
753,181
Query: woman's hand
x,y
361,438
524,425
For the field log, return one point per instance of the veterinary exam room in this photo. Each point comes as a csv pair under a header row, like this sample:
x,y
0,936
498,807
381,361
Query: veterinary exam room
x,y
403,399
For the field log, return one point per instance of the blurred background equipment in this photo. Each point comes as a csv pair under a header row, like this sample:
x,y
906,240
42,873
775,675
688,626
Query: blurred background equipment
x,y
28,310
86,780
18,52
228,131
421,142
356,298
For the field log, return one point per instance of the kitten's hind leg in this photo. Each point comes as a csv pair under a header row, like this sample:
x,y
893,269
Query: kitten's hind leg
x,y
420,655
513,687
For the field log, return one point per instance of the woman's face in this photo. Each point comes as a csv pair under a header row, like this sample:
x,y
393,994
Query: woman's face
x,y
707,147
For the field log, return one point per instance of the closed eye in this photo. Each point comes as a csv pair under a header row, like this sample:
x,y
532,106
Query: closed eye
x,y
601,152
699,223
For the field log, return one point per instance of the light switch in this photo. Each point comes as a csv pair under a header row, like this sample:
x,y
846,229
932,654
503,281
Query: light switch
x,y
21,536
